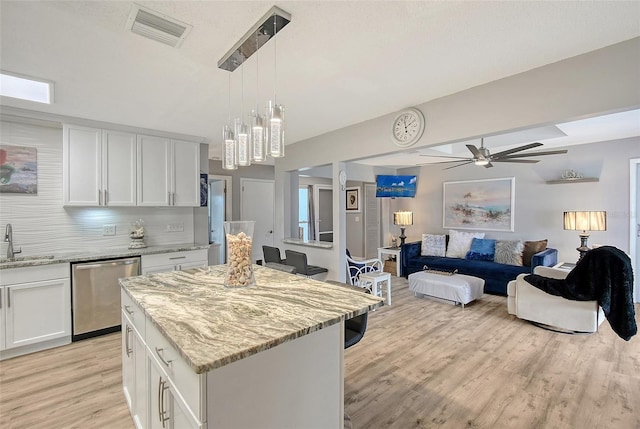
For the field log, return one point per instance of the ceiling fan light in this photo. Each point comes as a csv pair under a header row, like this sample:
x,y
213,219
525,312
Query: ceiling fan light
x,y
481,162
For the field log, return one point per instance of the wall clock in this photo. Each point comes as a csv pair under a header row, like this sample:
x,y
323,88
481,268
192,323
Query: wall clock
x,y
408,126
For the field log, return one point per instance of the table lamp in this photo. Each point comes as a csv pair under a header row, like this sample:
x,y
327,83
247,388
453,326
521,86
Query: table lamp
x,y
585,221
402,219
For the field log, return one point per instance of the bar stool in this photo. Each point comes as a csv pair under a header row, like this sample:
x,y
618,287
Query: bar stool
x,y
373,281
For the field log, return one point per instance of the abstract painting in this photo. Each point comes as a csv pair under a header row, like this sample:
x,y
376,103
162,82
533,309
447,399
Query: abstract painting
x,y
18,170
479,204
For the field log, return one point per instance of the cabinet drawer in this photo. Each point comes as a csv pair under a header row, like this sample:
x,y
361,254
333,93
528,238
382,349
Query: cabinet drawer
x,y
133,312
11,276
173,258
189,385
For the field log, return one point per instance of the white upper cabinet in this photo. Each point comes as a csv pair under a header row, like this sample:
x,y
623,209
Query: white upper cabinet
x,y
118,168
168,172
82,166
186,173
98,167
154,168
115,168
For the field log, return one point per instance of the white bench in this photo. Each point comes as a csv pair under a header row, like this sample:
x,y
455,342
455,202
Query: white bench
x,y
458,288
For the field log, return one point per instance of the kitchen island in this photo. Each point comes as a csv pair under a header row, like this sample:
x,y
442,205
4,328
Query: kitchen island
x,y
197,354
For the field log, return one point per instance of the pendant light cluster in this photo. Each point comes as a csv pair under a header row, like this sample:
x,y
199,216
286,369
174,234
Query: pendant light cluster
x,y
264,136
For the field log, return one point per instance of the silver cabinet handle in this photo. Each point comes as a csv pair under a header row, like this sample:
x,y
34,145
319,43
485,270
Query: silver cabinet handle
x,y
105,197
99,197
178,257
8,297
162,386
158,352
127,309
169,198
127,347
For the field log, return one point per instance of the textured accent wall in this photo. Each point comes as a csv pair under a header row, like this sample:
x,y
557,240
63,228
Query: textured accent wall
x,y
41,225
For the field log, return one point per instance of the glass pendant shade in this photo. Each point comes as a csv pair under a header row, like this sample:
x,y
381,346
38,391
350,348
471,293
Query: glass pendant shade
x,y
257,137
275,132
228,149
244,144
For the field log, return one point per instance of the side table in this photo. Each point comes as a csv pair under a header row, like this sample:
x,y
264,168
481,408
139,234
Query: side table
x,y
372,281
395,251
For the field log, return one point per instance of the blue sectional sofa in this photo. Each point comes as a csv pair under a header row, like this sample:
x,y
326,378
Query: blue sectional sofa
x,y
495,275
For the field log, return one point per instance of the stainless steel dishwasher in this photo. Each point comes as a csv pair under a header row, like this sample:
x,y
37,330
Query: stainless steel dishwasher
x,y
95,295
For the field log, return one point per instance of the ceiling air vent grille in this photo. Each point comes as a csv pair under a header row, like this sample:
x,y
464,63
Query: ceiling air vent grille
x,y
156,26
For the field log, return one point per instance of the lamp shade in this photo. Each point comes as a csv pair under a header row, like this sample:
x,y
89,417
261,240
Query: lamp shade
x,y
403,218
585,221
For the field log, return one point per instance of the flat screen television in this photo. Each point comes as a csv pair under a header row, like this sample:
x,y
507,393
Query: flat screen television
x,y
395,186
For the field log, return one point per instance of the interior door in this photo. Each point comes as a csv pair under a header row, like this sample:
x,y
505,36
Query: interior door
x,y
371,222
635,223
257,204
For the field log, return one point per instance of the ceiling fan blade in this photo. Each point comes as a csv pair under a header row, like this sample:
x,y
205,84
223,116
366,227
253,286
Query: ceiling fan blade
x,y
524,161
446,162
488,165
454,166
474,150
444,156
516,149
548,152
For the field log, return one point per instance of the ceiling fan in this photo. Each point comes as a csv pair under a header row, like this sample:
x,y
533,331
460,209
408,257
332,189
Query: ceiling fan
x,y
482,156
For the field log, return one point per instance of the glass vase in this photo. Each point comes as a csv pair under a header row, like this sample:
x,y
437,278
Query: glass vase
x,y
239,245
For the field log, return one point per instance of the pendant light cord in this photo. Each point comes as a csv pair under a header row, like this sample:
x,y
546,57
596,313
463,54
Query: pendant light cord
x,y
275,58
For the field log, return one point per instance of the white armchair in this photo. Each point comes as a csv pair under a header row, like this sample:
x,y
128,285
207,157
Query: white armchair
x,y
355,267
530,303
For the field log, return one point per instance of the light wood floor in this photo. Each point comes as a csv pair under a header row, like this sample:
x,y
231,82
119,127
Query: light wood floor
x,y
421,364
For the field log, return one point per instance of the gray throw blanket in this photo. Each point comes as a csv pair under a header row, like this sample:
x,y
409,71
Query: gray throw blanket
x,y
605,275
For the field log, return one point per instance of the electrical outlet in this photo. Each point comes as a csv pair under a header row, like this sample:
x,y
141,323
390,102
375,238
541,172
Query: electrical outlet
x,y
175,227
109,229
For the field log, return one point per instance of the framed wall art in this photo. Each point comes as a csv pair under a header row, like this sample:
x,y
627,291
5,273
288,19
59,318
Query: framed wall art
x,y
18,169
353,199
479,204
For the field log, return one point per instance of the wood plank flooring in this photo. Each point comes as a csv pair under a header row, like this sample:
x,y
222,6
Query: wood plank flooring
x,y
421,364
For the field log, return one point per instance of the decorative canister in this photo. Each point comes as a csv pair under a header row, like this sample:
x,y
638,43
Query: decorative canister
x,y
239,244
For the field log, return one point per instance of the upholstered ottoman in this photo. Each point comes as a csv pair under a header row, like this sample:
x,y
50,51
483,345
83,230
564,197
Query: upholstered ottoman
x,y
458,288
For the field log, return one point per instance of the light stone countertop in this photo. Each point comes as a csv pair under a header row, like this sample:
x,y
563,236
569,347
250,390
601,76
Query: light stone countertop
x,y
86,256
212,326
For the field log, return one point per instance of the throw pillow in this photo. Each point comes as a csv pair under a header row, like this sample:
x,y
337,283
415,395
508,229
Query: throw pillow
x,y
482,249
530,249
460,243
433,245
509,252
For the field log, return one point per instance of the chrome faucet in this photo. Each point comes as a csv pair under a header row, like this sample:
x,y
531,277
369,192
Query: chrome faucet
x,y
8,237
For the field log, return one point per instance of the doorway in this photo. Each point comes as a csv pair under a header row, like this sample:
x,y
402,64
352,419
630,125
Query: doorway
x,y
219,211
323,195
257,204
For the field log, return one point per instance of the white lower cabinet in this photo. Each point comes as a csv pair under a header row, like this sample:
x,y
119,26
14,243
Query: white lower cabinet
x,y
174,261
35,309
134,367
153,374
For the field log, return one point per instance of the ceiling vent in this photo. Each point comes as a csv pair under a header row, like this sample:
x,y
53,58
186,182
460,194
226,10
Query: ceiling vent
x,y
156,26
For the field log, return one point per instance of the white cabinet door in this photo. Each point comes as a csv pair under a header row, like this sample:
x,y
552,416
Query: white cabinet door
x,y
81,166
154,171
158,269
165,410
134,384
194,264
119,168
37,311
186,173
3,299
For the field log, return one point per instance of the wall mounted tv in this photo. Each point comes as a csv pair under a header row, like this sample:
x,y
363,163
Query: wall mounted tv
x,y
395,186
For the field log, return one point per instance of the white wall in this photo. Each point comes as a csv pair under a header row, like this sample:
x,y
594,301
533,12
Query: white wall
x,y
42,226
538,205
